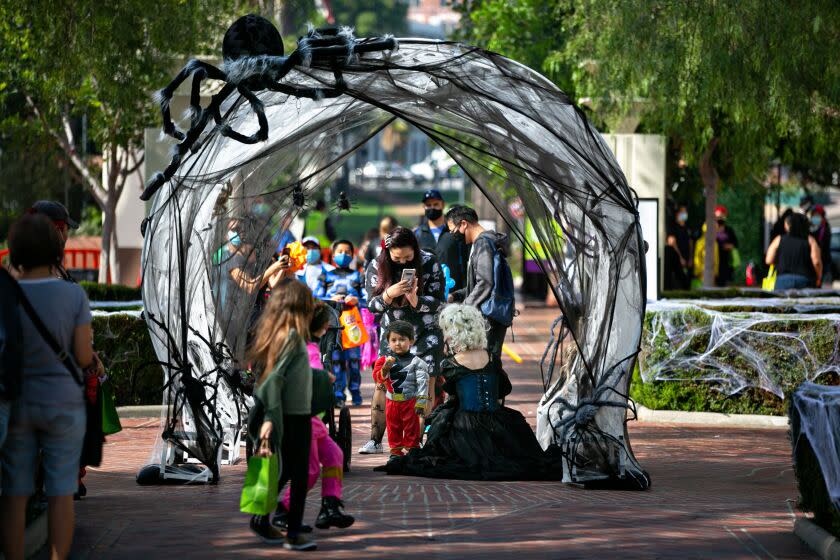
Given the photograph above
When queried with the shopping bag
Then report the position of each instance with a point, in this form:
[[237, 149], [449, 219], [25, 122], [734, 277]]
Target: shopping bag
[[354, 333], [769, 283], [370, 349], [259, 493], [110, 419], [736, 259]]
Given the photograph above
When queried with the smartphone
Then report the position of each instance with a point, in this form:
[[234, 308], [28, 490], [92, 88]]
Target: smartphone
[[408, 275], [286, 251]]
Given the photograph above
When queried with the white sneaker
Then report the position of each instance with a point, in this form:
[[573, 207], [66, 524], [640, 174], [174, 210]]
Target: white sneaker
[[371, 448]]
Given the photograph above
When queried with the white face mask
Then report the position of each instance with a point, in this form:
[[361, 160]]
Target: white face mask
[[682, 216]]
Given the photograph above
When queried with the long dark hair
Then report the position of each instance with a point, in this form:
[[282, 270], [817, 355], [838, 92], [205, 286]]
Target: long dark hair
[[386, 268], [799, 225]]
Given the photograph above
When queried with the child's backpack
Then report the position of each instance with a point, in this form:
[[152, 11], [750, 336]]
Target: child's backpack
[[11, 339], [500, 305]]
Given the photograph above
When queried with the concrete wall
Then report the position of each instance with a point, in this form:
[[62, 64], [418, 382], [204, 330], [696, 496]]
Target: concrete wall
[[642, 158]]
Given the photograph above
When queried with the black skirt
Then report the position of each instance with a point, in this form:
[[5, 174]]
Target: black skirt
[[497, 445]]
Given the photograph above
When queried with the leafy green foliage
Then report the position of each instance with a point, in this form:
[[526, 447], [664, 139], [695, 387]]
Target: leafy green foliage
[[371, 17], [533, 32], [110, 292], [125, 348]]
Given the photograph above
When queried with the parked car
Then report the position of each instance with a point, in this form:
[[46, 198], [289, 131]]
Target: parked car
[[438, 160], [388, 172]]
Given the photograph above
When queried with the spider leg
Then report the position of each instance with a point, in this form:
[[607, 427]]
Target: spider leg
[[260, 135], [164, 96], [192, 135]]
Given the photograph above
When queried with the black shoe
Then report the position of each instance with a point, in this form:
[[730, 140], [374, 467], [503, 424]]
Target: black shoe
[[331, 514], [281, 520], [263, 529], [299, 543]]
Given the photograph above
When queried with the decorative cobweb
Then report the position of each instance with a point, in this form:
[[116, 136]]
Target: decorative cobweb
[[513, 133]]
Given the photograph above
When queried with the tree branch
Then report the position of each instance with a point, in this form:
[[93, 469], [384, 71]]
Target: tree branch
[[66, 145]]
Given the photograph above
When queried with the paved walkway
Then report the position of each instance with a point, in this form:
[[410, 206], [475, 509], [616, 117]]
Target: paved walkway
[[717, 493]]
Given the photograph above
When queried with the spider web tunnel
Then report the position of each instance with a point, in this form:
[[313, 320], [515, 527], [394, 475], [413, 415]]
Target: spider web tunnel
[[513, 133]]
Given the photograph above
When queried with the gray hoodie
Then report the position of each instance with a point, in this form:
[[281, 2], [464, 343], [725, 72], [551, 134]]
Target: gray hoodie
[[480, 281]]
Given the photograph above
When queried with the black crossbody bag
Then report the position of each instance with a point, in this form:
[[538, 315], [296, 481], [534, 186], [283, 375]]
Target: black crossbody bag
[[94, 438]]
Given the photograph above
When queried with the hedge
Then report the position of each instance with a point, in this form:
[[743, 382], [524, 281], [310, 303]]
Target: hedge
[[705, 355], [125, 348], [736, 292], [110, 292], [813, 494]]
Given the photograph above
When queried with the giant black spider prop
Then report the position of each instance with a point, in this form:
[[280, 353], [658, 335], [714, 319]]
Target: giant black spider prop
[[254, 60]]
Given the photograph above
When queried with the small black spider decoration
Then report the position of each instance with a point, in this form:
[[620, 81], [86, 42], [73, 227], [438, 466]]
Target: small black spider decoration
[[343, 202], [254, 61], [298, 198]]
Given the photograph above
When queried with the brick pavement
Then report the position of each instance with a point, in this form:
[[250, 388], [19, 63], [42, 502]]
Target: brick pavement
[[717, 493]]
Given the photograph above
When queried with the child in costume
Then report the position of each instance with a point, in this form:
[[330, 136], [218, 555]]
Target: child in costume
[[344, 284], [406, 379], [325, 456]]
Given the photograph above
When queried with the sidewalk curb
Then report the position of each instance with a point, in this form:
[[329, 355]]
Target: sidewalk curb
[[649, 416], [144, 411], [820, 540]]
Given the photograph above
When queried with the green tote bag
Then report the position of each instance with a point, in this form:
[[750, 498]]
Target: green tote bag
[[110, 419], [259, 493]]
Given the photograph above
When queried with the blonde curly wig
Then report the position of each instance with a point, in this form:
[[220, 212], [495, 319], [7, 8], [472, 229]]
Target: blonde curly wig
[[463, 328]]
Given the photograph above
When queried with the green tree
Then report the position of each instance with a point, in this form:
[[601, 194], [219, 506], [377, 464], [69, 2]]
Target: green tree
[[64, 60], [734, 82], [371, 17], [532, 32]]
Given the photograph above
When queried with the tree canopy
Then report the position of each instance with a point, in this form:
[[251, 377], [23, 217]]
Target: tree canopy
[[734, 84], [97, 61]]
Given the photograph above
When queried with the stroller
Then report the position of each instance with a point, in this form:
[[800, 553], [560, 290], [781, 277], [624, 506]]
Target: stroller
[[341, 431]]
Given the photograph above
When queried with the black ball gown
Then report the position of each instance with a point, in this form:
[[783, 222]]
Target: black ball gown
[[472, 437]]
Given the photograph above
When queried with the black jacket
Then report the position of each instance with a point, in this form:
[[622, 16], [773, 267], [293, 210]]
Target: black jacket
[[454, 254], [479, 281]]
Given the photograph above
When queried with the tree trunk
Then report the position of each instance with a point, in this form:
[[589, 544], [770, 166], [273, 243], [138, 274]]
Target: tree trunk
[[709, 175]]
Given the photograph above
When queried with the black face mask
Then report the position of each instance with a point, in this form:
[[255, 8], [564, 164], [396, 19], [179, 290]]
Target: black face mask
[[433, 213], [458, 237]]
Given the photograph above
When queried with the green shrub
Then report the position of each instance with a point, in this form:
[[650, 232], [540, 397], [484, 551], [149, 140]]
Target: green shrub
[[736, 292], [731, 351], [705, 396], [110, 292], [125, 348], [813, 494]]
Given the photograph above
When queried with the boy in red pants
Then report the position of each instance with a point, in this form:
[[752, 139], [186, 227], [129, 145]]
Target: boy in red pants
[[406, 379]]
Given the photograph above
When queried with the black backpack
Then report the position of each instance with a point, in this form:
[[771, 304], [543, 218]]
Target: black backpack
[[11, 338], [500, 305]]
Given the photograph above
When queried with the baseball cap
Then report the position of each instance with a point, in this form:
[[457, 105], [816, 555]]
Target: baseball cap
[[310, 239], [432, 194], [55, 211]]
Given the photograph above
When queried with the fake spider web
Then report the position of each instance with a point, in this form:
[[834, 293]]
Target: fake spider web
[[513, 133], [732, 351]]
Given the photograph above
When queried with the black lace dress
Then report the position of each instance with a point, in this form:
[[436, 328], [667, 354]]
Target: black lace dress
[[473, 437]]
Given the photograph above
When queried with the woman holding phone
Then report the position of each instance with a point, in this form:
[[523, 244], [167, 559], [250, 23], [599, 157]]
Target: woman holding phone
[[407, 284]]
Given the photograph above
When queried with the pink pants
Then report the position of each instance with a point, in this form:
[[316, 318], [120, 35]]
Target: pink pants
[[325, 457]]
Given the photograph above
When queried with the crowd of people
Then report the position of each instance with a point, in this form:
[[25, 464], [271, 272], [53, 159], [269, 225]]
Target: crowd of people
[[409, 281], [799, 249], [435, 309]]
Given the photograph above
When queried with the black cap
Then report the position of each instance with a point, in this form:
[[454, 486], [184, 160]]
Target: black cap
[[432, 194], [56, 212]]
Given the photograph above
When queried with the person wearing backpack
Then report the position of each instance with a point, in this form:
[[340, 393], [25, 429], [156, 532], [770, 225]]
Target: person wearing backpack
[[489, 283], [49, 418]]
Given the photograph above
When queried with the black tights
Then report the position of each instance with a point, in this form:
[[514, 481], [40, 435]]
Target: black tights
[[297, 439]]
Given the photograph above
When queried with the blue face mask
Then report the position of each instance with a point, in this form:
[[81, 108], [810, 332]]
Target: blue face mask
[[234, 239], [816, 221], [313, 256], [343, 260]]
